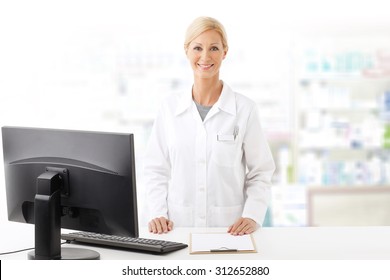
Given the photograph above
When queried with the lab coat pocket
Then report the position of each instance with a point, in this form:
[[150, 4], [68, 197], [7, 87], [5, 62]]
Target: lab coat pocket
[[180, 215], [226, 153], [225, 216]]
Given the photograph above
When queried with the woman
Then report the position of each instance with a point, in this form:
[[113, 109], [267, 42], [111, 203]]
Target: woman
[[208, 162]]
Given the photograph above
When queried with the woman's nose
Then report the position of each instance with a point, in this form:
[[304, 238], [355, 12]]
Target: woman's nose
[[205, 54]]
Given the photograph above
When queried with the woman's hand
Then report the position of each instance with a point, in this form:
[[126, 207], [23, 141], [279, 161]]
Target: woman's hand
[[160, 225], [242, 226]]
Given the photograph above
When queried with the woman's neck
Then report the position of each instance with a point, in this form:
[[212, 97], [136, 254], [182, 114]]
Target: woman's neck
[[206, 91]]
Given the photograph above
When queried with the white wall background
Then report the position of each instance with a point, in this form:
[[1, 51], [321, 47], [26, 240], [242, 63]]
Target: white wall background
[[104, 65]]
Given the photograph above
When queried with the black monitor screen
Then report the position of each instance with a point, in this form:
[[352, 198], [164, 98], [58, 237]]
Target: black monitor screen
[[95, 173]]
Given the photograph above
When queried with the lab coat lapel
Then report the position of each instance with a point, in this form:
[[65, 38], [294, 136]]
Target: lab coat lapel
[[185, 102], [226, 103]]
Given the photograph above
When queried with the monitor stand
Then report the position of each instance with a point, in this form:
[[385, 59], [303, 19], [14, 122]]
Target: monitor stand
[[69, 254], [47, 208]]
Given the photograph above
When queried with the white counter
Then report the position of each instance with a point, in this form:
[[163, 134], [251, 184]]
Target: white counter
[[289, 243]]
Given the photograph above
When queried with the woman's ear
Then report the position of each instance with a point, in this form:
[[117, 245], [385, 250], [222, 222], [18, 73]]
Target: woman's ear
[[186, 50], [225, 53]]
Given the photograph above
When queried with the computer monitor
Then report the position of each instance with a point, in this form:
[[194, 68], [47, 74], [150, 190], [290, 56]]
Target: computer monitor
[[70, 179]]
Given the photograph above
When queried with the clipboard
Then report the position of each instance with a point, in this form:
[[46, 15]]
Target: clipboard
[[221, 243]]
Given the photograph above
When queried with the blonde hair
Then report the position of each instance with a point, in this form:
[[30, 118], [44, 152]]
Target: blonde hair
[[203, 24]]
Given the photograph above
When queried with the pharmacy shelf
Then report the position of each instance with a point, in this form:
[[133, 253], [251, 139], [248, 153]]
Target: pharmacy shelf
[[339, 117]]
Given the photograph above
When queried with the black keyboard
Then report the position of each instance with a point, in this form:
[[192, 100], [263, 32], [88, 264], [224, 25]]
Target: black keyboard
[[120, 242]]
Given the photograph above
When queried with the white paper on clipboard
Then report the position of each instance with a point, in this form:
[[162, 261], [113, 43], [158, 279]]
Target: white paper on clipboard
[[221, 242]]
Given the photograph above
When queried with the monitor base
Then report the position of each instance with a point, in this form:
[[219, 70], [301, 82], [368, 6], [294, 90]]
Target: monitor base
[[72, 254]]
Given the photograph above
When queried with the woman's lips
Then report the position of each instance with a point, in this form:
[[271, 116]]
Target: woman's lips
[[205, 66]]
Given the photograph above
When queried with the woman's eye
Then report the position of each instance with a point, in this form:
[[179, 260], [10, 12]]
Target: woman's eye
[[214, 49], [197, 48]]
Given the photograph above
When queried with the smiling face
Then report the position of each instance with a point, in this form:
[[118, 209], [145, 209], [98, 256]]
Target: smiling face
[[205, 54]]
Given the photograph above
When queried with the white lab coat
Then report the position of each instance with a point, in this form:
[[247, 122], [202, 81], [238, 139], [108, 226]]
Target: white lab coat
[[211, 172]]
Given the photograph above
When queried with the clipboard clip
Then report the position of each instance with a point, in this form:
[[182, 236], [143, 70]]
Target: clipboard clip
[[223, 249]]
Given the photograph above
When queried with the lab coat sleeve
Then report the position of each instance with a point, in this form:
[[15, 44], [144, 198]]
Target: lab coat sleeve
[[260, 166], [157, 169]]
